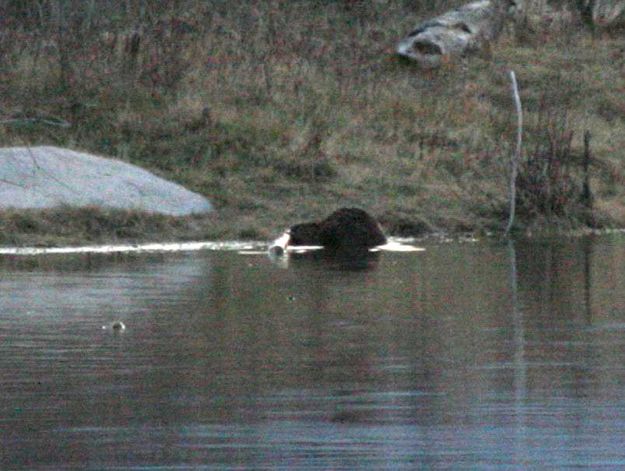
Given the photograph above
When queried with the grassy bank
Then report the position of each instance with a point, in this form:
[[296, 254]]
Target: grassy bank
[[282, 111], [79, 226]]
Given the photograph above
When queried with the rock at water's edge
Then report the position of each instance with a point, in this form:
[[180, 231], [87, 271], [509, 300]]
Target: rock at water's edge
[[46, 177]]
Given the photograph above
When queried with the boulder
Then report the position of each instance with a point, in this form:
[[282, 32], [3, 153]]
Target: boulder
[[457, 32], [46, 177]]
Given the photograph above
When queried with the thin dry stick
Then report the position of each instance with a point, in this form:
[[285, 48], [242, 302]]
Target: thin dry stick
[[514, 165], [56, 122], [586, 193]]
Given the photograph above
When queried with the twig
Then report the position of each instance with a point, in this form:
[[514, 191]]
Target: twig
[[514, 164], [586, 193], [57, 122]]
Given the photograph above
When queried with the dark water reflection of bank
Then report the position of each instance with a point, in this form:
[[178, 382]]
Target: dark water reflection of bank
[[466, 355]]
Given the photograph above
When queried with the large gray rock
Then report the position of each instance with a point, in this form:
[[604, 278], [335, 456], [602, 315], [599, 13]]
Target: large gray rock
[[45, 177], [458, 32]]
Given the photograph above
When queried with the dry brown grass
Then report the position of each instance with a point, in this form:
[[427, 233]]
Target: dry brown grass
[[282, 111]]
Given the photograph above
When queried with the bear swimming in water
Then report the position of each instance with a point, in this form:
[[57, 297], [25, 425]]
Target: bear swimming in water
[[345, 230]]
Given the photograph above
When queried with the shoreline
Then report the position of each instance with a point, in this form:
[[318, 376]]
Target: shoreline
[[90, 227], [133, 248], [256, 246]]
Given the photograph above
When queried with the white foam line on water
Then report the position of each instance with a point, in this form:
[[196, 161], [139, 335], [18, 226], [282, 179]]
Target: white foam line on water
[[245, 248], [394, 246], [303, 248], [138, 248]]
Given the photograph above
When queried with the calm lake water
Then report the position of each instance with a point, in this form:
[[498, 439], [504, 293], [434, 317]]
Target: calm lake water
[[468, 355]]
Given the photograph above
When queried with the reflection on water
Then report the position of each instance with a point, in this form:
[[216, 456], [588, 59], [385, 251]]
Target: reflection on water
[[463, 356]]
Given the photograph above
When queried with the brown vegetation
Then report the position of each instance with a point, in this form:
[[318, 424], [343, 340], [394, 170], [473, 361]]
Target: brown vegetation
[[281, 111]]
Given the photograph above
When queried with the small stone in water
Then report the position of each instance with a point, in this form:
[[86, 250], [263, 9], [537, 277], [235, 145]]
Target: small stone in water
[[117, 326]]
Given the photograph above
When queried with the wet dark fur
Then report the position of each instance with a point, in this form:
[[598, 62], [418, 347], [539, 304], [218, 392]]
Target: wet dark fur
[[344, 229]]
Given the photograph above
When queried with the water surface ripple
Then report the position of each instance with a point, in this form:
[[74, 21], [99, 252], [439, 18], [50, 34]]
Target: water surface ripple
[[465, 356]]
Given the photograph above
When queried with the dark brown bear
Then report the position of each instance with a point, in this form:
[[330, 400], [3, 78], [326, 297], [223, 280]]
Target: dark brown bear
[[345, 229]]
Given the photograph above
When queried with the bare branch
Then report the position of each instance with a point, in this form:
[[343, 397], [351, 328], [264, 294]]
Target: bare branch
[[514, 164]]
